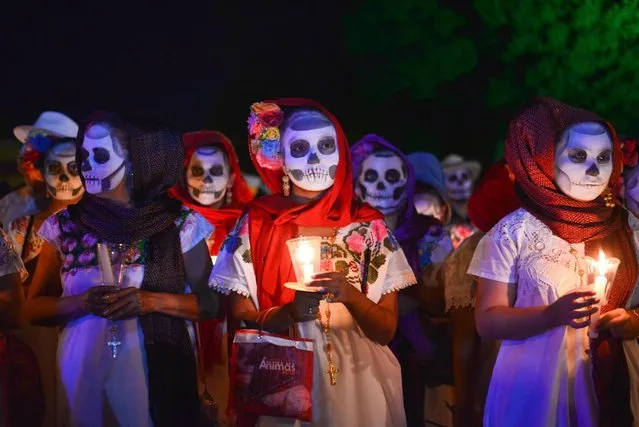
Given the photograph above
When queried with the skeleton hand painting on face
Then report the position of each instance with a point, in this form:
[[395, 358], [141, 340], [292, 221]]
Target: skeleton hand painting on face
[[61, 172], [583, 161], [310, 149], [208, 175], [103, 158]]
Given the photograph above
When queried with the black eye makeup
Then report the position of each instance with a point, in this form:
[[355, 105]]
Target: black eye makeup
[[197, 170], [605, 156], [299, 148], [577, 155], [327, 145]]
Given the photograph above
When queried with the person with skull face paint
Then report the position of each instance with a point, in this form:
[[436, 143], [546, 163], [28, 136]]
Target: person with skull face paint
[[473, 357], [213, 186], [531, 267], [47, 161], [128, 166], [460, 176], [314, 164], [384, 178]]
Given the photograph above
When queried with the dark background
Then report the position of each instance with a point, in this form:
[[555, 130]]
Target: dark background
[[200, 64]]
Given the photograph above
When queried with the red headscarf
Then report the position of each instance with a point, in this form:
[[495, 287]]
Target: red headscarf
[[494, 197], [530, 152], [274, 219], [222, 219]]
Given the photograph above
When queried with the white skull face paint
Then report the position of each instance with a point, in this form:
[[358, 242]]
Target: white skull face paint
[[429, 204], [631, 186], [61, 172], [583, 161], [459, 183], [208, 175], [103, 166], [382, 182], [311, 157]]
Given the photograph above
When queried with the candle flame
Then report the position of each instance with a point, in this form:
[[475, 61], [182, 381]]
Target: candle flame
[[305, 253], [603, 264]]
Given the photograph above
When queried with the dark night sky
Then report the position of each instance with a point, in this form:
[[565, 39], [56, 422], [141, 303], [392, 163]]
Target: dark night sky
[[194, 64], [197, 65]]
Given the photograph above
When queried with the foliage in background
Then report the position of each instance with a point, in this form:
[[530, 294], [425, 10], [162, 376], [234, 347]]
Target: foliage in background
[[585, 52], [407, 46]]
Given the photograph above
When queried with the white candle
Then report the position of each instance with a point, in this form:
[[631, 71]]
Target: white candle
[[104, 262], [308, 272], [213, 259], [599, 287], [304, 256]]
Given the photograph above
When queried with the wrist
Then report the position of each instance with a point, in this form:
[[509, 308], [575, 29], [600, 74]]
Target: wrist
[[549, 320], [152, 301]]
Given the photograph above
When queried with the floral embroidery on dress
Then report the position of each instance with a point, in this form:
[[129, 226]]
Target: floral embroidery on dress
[[10, 262], [365, 243], [233, 240], [17, 231], [79, 248]]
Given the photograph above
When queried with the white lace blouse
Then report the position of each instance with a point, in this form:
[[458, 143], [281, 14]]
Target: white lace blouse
[[545, 379]]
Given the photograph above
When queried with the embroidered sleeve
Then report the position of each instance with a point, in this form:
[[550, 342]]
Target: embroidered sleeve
[[388, 269], [10, 262], [459, 286], [497, 252], [50, 229], [193, 229], [233, 270]]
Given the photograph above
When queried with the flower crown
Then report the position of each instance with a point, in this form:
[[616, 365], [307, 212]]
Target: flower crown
[[264, 134], [32, 152]]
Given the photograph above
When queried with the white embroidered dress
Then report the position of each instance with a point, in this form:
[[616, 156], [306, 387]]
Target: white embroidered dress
[[544, 380], [97, 389], [369, 388]]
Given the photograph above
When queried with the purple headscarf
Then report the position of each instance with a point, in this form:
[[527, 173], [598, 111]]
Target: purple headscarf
[[411, 226]]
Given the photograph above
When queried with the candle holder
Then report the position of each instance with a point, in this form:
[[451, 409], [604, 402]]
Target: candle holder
[[305, 255], [601, 275]]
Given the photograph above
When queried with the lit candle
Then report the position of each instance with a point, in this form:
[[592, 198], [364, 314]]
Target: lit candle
[[104, 262], [305, 255], [213, 259], [601, 281]]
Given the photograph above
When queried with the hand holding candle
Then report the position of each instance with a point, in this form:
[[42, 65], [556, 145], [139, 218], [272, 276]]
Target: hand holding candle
[[604, 270]]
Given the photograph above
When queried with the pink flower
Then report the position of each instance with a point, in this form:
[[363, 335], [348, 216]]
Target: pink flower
[[379, 230], [68, 261], [69, 244], [69, 227], [356, 242], [89, 240], [86, 257]]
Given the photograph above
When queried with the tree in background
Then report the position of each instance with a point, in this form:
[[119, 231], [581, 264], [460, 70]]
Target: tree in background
[[585, 53], [408, 46], [417, 64]]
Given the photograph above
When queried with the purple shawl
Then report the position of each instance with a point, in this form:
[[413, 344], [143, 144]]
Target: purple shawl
[[411, 226]]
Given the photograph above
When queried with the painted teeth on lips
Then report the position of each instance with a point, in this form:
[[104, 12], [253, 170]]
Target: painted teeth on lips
[[588, 184]]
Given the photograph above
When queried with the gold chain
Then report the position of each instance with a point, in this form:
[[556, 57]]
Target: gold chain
[[580, 271], [326, 328]]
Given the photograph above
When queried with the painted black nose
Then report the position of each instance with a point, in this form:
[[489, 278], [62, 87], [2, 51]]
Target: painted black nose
[[86, 166], [208, 179], [381, 186], [593, 170], [313, 159], [64, 178]]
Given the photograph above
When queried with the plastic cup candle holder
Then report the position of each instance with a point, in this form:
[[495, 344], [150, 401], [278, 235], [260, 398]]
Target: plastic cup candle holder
[[601, 274], [305, 255]]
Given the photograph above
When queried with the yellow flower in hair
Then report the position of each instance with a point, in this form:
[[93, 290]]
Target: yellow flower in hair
[[271, 133]]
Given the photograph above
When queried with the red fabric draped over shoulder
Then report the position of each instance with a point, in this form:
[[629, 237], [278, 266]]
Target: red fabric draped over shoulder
[[274, 219], [222, 219], [530, 153]]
